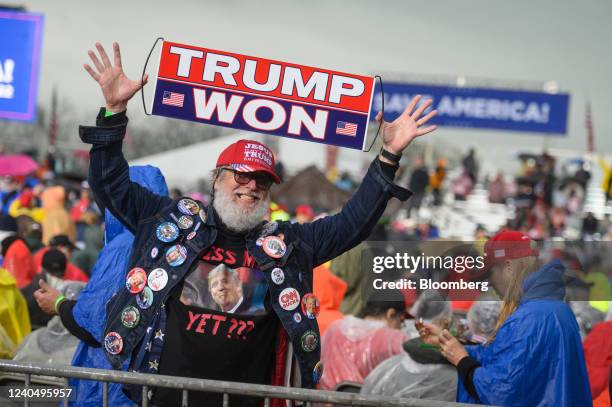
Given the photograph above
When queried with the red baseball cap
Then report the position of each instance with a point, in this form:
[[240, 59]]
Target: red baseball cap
[[305, 210], [506, 245], [248, 156]]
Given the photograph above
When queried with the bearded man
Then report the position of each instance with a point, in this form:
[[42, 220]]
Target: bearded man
[[279, 345]]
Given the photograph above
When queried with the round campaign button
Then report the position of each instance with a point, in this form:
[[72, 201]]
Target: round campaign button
[[167, 232], [185, 222], [202, 214], [309, 341], [136, 280], [113, 343], [145, 298], [317, 372], [176, 255], [297, 317], [310, 306], [289, 299], [274, 247], [130, 317], [188, 206], [154, 252], [259, 241], [278, 276], [157, 279]]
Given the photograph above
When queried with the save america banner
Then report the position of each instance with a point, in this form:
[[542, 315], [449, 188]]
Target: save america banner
[[262, 95], [484, 108]]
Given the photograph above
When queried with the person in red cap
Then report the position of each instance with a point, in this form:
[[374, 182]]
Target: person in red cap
[[62, 243], [178, 242], [535, 356], [304, 213], [243, 176]]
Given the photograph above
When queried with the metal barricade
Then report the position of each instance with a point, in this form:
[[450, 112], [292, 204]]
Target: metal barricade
[[212, 386]]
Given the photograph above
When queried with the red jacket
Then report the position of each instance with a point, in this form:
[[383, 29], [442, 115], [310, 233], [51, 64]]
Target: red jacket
[[19, 262], [352, 347], [73, 273], [598, 357]]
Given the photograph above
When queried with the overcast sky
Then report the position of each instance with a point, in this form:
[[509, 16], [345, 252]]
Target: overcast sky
[[523, 40]]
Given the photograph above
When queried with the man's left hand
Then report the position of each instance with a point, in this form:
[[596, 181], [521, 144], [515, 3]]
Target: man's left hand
[[451, 348], [409, 125]]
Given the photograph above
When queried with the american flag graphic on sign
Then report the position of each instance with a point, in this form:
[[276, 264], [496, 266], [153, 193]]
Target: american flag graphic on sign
[[173, 99], [347, 129]]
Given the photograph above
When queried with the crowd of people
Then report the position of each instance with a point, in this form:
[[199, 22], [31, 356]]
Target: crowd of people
[[134, 275], [368, 345], [47, 238], [547, 197]]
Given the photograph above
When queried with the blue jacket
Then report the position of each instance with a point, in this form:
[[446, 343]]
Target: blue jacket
[[536, 358], [106, 279], [142, 212]]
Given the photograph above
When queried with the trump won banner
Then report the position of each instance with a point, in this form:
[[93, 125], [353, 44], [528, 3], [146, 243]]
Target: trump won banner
[[511, 110], [21, 35], [262, 95]]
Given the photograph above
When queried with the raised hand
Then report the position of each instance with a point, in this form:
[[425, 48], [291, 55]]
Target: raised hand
[[400, 132], [117, 88]]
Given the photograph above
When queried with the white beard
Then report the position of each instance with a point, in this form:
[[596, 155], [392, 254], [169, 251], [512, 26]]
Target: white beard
[[235, 218]]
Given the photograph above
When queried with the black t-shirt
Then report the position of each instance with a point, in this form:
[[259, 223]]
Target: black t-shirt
[[220, 325]]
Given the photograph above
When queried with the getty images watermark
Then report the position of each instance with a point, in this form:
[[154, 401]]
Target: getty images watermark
[[407, 263], [459, 270]]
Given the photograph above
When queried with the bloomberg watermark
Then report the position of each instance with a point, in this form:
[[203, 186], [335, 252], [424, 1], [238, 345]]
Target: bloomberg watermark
[[461, 271]]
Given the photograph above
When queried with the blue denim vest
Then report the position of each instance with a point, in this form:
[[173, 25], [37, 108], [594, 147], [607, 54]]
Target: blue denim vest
[[297, 271]]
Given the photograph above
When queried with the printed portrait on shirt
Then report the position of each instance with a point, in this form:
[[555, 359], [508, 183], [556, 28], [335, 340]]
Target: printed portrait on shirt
[[225, 288], [222, 288]]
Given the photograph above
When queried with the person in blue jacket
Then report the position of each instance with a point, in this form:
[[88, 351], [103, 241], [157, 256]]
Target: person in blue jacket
[[535, 357], [85, 318]]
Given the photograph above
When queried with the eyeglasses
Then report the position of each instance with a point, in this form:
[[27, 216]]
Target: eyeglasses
[[262, 180]]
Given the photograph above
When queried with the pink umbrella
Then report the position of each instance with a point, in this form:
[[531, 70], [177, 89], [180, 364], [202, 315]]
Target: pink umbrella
[[16, 164]]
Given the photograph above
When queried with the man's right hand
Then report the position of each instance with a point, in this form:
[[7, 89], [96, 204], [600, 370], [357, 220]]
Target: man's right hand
[[117, 88]]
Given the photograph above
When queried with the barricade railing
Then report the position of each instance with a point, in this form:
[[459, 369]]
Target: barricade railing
[[187, 385]]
